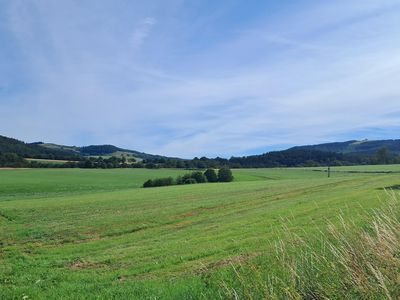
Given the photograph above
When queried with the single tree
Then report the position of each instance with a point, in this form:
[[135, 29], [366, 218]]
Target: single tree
[[184, 178], [225, 175], [199, 177], [211, 175], [179, 180], [383, 155]]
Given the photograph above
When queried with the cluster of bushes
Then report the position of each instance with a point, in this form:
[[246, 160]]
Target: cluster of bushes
[[159, 182], [224, 175]]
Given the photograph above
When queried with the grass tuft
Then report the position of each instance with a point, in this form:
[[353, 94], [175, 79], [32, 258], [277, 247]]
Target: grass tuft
[[349, 262]]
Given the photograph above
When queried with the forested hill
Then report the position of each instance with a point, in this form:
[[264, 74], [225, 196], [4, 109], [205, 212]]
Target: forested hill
[[105, 150], [34, 150], [357, 147], [54, 151]]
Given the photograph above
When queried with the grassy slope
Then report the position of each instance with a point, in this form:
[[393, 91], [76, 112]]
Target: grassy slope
[[129, 154], [119, 154], [75, 232], [367, 168], [47, 161]]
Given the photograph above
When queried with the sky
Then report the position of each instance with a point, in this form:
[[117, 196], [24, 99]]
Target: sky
[[199, 77]]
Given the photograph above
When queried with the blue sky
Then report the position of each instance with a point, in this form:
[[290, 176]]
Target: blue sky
[[193, 78]]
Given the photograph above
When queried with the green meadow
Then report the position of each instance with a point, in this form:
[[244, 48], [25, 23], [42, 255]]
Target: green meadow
[[96, 234]]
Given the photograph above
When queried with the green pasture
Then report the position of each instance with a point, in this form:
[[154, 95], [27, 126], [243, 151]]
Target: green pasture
[[82, 234], [47, 161], [365, 168], [43, 183]]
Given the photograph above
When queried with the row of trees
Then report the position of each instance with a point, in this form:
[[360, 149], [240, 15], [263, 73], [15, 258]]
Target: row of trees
[[224, 175], [12, 160], [287, 158], [17, 161]]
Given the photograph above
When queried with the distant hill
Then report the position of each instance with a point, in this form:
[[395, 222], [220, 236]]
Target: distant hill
[[103, 150], [62, 152], [292, 158], [366, 147], [34, 150]]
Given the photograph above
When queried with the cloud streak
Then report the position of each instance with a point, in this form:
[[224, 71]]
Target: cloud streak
[[141, 33]]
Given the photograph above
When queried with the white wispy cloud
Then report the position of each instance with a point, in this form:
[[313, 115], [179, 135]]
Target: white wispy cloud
[[178, 80], [142, 32]]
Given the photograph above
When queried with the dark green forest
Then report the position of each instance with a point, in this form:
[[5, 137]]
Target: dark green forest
[[360, 147], [34, 150]]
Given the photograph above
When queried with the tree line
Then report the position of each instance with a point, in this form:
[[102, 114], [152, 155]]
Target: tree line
[[12, 153], [223, 175]]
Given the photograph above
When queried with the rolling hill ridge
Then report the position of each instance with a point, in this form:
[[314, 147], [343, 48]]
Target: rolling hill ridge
[[62, 152], [368, 147]]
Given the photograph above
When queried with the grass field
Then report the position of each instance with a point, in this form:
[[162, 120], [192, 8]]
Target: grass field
[[72, 233], [47, 161]]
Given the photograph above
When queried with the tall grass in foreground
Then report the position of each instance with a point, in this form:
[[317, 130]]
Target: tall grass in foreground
[[349, 262]]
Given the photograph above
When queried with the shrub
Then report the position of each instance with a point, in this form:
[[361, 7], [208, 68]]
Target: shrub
[[225, 175], [158, 182], [179, 180], [199, 177], [151, 166], [190, 181], [191, 178], [148, 183], [163, 181], [211, 175], [185, 177]]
